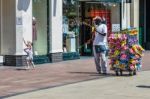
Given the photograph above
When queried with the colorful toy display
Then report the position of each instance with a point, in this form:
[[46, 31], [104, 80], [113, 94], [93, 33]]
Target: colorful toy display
[[125, 53]]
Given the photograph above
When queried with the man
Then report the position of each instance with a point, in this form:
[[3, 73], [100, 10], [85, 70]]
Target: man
[[65, 31], [99, 45]]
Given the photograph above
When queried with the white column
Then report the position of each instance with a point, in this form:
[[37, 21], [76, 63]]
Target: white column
[[56, 26], [23, 24], [135, 13], [128, 15], [124, 14]]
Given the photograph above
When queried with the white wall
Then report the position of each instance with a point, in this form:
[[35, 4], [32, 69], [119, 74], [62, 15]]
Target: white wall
[[115, 14], [8, 29], [56, 26]]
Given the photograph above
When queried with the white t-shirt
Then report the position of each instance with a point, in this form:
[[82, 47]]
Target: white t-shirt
[[100, 39]]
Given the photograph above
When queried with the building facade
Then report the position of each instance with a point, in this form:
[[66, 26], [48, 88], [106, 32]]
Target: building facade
[[16, 18], [56, 27], [144, 24]]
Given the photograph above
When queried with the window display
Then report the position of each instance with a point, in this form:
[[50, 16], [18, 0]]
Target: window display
[[70, 26], [40, 27], [108, 11]]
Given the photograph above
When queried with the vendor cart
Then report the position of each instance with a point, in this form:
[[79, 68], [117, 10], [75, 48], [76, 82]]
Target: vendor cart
[[125, 53]]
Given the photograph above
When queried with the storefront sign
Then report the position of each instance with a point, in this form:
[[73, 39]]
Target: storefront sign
[[19, 21], [115, 27]]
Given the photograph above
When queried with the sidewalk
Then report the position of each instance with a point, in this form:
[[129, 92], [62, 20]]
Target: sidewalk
[[17, 81], [136, 87]]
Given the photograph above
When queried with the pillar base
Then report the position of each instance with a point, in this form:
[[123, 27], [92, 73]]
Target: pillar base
[[147, 46], [71, 56], [15, 60], [55, 57]]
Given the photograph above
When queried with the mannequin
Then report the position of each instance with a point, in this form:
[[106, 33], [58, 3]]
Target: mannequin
[[34, 34], [34, 30]]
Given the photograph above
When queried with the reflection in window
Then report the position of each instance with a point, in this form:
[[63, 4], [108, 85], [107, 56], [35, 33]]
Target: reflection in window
[[70, 26]]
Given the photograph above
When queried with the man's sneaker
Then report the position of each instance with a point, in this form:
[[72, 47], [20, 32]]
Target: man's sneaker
[[104, 73], [99, 72]]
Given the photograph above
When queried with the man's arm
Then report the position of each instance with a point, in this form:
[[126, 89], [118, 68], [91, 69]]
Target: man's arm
[[103, 34]]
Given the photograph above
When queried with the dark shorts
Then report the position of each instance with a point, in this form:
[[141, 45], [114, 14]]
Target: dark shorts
[[100, 48]]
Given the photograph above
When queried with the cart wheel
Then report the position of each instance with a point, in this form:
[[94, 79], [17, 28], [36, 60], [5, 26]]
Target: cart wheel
[[117, 74], [120, 72], [130, 73], [134, 72]]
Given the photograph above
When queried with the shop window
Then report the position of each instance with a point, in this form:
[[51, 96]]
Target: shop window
[[110, 11], [40, 26], [70, 25]]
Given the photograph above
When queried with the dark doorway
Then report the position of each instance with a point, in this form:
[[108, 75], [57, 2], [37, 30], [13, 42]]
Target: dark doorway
[[147, 25], [88, 10], [142, 23], [85, 32], [144, 35]]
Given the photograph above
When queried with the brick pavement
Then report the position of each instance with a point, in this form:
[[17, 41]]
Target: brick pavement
[[15, 80], [146, 61]]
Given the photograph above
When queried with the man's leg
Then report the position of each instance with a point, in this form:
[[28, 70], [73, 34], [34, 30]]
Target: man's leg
[[104, 62], [97, 60]]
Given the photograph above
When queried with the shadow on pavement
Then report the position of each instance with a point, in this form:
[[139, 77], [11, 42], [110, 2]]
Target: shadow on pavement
[[92, 73], [83, 72], [97, 74], [143, 86], [21, 69]]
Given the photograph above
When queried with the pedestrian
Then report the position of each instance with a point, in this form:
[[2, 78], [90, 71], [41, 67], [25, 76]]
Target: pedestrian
[[99, 45], [29, 58]]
